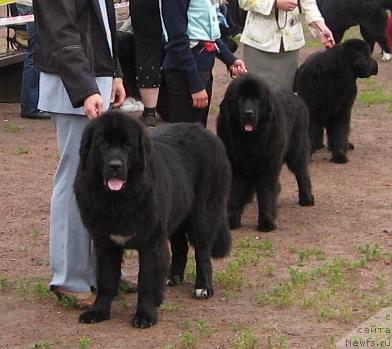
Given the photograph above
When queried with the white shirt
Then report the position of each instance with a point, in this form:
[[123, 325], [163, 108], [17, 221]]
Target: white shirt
[[262, 32]]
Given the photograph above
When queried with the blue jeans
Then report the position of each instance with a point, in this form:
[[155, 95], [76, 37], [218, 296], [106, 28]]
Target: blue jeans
[[30, 79]]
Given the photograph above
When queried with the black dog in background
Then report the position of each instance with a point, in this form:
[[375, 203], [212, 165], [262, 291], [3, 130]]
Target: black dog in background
[[327, 83], [370, 15], [137, 190], [261, 130]]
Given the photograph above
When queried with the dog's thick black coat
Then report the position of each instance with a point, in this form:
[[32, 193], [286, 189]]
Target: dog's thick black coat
[[261, 130], [370, 15], [327, 83], [137, 190]]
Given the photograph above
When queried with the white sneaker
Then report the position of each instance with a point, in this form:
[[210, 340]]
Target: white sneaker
[[132, 105]]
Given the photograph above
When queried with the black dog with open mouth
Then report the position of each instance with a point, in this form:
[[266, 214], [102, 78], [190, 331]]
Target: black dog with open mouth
[[138, 190], [261, 130]]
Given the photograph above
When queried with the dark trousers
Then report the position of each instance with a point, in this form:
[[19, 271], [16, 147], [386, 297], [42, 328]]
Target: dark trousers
[[180, 99], [30, 83]]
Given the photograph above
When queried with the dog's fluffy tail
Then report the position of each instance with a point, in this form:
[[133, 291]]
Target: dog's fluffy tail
[[222, 243], [387, 4]]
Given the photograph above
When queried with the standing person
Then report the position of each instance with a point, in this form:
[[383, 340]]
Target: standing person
[[147, 28], [191, 31], [30, 77], [80, 76], [273, 35]]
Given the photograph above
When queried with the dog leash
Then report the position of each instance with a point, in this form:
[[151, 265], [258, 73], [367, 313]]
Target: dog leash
[[285, 20]]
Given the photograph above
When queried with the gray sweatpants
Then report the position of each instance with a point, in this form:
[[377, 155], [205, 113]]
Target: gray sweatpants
[[72, 257]]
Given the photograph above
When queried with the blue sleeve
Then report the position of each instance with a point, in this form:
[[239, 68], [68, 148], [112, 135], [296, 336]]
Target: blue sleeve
[[178, 54]]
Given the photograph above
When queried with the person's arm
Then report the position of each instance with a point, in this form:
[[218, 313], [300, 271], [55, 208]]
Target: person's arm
[[313, 17], [175, 19], [234, 65], [260, 6], [57, 19]]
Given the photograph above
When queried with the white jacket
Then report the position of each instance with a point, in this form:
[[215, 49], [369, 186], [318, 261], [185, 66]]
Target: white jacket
[[262, 32]]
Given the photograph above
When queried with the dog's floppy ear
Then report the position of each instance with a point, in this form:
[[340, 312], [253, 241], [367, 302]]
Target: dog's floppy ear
[[85, 145], [144, 148]]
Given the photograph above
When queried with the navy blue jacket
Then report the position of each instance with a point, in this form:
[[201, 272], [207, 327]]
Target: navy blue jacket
[[179, 56]]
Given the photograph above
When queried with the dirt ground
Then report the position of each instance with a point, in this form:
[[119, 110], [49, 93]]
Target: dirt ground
[[353, 208]]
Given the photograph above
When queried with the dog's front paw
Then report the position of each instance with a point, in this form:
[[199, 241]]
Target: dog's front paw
[[350, 146], [144, 320], [203, 293], [266, 227], [306, 200], [339, 158], [93, 316]]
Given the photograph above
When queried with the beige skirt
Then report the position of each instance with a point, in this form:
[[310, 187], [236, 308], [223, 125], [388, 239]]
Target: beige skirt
[[278, 69]]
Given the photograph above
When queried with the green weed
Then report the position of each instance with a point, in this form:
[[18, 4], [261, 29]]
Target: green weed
[[84, 343], [246, 340], [12, 127], [22, 149], [187, 340], [35, 233]]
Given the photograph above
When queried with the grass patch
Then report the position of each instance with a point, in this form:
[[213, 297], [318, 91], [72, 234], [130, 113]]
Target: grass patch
[[22, 149], [12, 127], [248, 251], [169, 306], [5, 284], [374, 96], [187, 340], [43, 345], [332, 290], [246, 340], [271, 343], [35, 233], [84, 343]]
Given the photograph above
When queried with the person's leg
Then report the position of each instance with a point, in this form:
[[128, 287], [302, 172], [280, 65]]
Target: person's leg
[[180, 100], [30, 81], [71, 251]]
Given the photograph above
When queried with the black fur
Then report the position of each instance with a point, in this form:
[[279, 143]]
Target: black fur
[[277, 132], [370, 15], [327, 83], [175, 183]]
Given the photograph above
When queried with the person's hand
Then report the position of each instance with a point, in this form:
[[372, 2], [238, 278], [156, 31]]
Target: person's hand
[[237, 68], [93, 106], [327, 38], [118, 93], [200, 99], [286, 5]]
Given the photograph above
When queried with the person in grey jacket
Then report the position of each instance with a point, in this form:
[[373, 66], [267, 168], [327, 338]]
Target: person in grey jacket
[[80, 79], [273, 35]]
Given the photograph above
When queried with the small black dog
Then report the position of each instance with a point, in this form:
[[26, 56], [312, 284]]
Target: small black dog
[[137, 190], [327, 83], [261, 130]]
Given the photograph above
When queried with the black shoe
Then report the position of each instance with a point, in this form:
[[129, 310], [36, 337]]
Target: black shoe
[[149, 120], [38, 115]]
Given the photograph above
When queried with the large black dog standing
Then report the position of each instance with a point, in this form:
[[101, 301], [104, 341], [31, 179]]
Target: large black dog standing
[[370, 15], [327, 83], [261, 130], [137, 191]]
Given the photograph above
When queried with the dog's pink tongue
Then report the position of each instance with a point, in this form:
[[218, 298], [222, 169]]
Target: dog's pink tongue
[[115, 184], [249, 128]]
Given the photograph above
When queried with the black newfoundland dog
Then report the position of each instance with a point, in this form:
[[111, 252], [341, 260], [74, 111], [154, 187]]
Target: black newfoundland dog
[[327, 83], [137, 190], [261, 130], [370, 15]]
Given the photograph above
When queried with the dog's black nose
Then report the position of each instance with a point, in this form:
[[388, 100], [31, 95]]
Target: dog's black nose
[[249, 113], [115, 164]]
